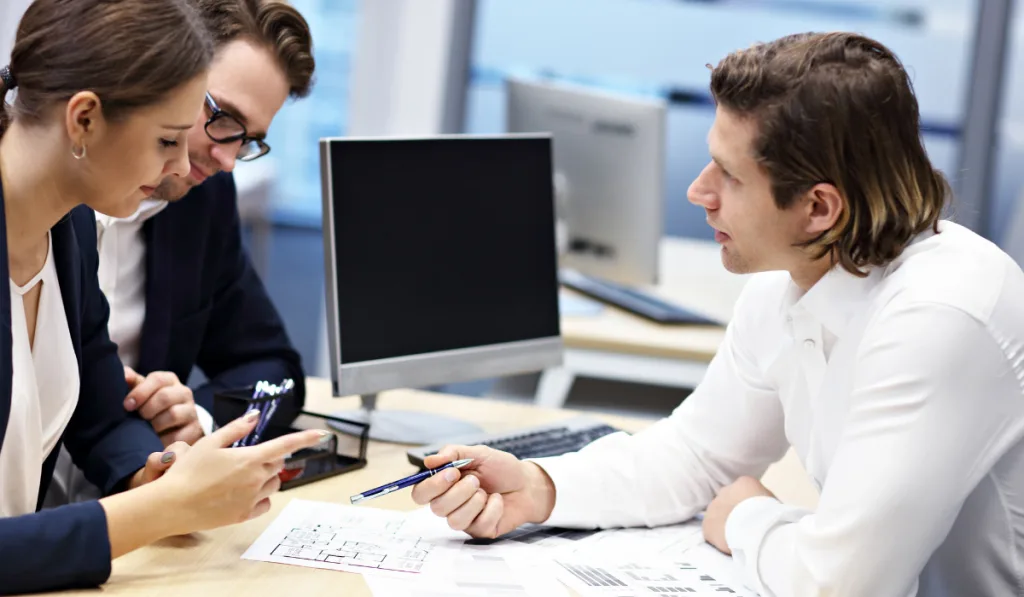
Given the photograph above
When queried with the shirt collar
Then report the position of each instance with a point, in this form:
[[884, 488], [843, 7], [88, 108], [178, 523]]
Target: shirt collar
[[836, 298], [147, 209], [839, 295]]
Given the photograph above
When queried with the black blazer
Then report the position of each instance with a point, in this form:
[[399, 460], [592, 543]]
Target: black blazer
[[68, 547], [205, 304]]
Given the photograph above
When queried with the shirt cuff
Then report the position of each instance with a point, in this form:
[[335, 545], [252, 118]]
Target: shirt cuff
[[747, 527], [205, 420], [574, 499]]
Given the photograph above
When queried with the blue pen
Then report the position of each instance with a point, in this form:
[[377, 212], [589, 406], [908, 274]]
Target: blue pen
[[265, 417], [406, 482], [257, 393], [268, 411]]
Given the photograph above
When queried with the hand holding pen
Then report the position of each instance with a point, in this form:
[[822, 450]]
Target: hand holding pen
[[496, 493], [409, 481]]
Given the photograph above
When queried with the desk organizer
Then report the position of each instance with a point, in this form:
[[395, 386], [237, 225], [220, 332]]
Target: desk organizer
[[307, 465]]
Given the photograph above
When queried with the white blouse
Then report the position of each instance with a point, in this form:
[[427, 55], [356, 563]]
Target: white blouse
[[44, 391]]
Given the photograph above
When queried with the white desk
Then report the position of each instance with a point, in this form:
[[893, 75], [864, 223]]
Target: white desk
[[620, 346]]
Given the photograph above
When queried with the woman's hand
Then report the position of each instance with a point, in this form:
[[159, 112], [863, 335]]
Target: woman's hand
[[209, 485], [157, 464], [214, 485]]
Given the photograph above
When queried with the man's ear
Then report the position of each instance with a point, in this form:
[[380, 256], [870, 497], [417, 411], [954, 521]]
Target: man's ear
[[83, 119], [823, 206]]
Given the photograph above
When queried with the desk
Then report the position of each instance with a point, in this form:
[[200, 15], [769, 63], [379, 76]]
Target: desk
[[621, 346], [210, 563]]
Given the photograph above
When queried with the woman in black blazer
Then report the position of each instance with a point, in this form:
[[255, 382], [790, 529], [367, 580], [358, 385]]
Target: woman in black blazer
[[105, 92]]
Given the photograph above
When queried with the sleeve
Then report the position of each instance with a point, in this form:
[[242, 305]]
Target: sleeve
[[63, 548], [205, 420], [730, 426], [106, 442], [935, 404], [245, 340]]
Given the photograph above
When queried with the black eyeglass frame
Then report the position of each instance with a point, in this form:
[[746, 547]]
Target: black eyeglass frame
[[216, 113]]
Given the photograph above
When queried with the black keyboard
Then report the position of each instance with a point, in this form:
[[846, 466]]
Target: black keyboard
[[632, 300], [534, 442]]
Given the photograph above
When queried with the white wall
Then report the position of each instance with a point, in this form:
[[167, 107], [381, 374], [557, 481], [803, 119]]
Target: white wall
[[10, 15], [409, 67]]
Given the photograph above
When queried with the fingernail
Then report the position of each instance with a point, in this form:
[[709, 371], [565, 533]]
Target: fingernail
[[474, 481], [130, 404], [251, 416], [451, 475], [167, 457], [325, 436]]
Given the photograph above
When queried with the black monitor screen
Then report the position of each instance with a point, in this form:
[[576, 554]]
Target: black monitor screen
[[442, 244]]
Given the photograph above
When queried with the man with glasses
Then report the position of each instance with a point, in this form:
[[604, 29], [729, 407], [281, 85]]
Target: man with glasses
[[182, 290]]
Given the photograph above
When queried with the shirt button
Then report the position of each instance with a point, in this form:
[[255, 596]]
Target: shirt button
[[809, 343]]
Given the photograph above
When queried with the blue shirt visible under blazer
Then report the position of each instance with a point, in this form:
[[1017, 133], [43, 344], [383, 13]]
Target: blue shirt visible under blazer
[[68, 547]]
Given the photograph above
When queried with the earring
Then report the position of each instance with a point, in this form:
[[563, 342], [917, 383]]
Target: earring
[[75, 153]]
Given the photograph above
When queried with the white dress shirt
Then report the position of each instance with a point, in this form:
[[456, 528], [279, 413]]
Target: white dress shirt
[[122, 273], [44, 391], [902, 394]]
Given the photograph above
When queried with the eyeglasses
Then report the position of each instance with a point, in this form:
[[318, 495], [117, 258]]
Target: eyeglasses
[[224, 128]]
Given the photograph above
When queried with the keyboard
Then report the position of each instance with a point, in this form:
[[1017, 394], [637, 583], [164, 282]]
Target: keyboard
[[632, 300], [553, 439]]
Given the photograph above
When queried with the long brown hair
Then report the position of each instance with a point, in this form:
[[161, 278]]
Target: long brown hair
[[130, 53], [839, 108], [273, 24]]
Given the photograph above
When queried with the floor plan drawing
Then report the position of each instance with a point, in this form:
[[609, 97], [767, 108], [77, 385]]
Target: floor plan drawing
[[346, 538]]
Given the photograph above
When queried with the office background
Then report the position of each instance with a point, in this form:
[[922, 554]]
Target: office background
[[430, 66]]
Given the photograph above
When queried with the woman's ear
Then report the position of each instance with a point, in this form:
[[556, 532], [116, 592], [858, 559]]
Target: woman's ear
[[83, 118]]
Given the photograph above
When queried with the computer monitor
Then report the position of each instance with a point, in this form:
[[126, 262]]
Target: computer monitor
[[609, 151], [440, 267]]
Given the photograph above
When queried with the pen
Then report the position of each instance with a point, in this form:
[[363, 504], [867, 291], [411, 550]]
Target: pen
[[264, 389], [268, 413], [257, 393], [264, 421], [406, 482]]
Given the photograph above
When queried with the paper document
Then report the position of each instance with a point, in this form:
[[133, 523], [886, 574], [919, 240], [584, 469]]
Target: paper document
[[475, 574], [639, 579], [666, 543], [676, 550], [345, 538], [417, 555]]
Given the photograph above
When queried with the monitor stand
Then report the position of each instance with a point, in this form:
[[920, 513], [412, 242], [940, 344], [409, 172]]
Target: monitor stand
[[402, 426]]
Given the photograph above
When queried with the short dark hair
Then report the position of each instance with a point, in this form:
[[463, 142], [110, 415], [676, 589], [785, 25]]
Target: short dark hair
[[130, 54], [839, 108], [271, 23]]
